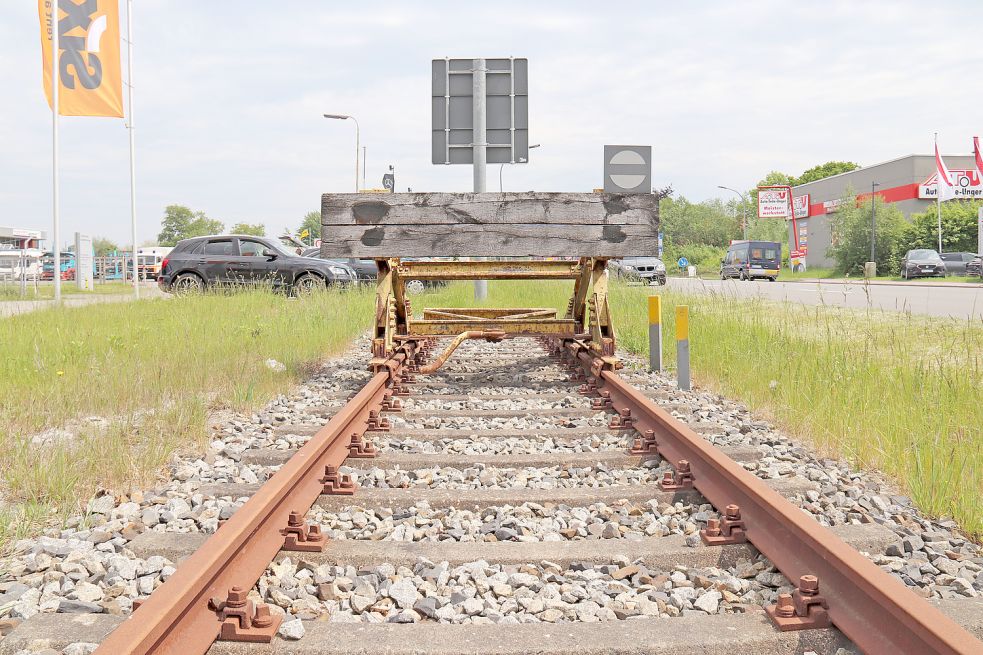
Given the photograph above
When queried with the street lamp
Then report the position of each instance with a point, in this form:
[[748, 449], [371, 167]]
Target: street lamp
[[342, 117], [873, 185], [743, 206], [522, 160]]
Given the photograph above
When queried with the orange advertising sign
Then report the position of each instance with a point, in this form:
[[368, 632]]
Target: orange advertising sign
[[90, 77]]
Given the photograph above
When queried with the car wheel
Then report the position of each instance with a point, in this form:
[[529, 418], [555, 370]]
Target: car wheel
[[771, 279], [415, 287], [306, 284], [741, 276], [662, 281], [187, 283]]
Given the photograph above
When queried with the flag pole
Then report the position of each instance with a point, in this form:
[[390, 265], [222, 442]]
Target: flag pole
[[55, 83], [938, 195], [130, 125]]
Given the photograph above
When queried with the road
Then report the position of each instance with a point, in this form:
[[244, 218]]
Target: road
[[931, 299], [13, 307]]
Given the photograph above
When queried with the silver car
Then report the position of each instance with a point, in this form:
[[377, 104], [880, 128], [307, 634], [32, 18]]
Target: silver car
[[640, 269]]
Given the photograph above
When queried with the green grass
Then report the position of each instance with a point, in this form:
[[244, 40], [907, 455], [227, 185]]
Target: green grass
[[46, 290], [898, 393], [151, 370]]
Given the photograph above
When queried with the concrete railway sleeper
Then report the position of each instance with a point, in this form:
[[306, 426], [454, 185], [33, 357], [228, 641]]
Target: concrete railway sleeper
[[532, 502]]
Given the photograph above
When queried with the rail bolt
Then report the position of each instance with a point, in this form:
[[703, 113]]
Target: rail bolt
[[681, 479], [361, 449], [336, 483], [645, 444], [803, 609], [243, 620], [302, 536], [785, 608], [808, 585]]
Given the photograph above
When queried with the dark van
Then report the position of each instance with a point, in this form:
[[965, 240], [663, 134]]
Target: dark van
[[747, 260]]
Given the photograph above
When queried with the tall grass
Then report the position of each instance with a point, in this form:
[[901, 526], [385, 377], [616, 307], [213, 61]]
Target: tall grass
[[899, 393], [134, 383]]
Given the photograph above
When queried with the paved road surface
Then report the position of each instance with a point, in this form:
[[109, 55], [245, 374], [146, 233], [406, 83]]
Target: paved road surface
[[938, 299], [11, 307]]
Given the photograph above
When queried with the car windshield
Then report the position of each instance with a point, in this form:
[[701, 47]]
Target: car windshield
[[923, 254]]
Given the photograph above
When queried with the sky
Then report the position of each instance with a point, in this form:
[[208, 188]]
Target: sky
[[229, 97]]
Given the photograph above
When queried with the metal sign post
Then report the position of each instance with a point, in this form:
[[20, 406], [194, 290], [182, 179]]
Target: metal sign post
[[481, 120], [478, 143], [979, 232]]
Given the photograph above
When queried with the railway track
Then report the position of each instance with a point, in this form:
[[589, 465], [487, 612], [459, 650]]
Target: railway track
[[518, 500]]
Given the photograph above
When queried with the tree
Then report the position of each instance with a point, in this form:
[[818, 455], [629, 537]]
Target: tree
[[705, 223], [823, 171], [312, 223], [958, 228], [257, 230], [180, 222], [850, 225], [103, 246]]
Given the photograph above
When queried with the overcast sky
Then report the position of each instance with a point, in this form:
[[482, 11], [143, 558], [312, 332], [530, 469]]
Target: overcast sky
[[229, 98]]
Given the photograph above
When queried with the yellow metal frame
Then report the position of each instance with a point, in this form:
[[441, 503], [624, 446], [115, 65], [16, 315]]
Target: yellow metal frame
[[587, 319]]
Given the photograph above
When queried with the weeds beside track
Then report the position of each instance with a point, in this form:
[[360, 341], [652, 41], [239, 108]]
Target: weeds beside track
[[101, 396]]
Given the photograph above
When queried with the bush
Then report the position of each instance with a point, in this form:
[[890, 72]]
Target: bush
[[958, 228], [851, 235]]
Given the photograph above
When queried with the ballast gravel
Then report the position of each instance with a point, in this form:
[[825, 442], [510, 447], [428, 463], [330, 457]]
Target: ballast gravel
[[545, 592], [85, 565], [526, 522]]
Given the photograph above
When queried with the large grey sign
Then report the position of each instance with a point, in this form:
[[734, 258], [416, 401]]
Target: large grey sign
[[507, 97], [628, 169]]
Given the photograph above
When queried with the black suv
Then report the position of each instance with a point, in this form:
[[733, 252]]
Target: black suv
[[245, 260]]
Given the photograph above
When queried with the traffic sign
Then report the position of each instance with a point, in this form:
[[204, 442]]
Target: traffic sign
[[683, 262], [389, 181], [506, 110], [628, 169]]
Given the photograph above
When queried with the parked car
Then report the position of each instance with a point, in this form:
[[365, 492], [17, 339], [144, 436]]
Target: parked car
[[747, 260], [922, 263], [66, 269], [365, 269], [644, 269], [219, 260], [975, 267], [956, 262], [368, 271]]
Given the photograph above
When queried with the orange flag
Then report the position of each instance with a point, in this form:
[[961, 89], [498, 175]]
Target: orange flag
[[89, 66]]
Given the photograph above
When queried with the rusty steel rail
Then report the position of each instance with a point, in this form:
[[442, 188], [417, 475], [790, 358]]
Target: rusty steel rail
[[180, 617], [876, 611]]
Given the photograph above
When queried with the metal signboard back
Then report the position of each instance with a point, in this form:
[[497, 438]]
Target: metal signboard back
[[452, 112]]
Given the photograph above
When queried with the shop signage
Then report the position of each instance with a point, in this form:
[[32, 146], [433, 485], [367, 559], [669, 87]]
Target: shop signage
[[967, 183]]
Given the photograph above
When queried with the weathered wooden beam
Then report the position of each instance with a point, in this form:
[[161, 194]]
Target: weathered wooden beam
[[489, 241], [533, 208]]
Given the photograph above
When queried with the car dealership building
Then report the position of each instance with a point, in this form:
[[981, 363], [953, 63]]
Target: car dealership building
[[908, 183]]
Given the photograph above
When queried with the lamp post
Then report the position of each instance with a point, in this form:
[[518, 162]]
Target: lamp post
[[342, 117], [873, 223], [743, 207], [502, 167]]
